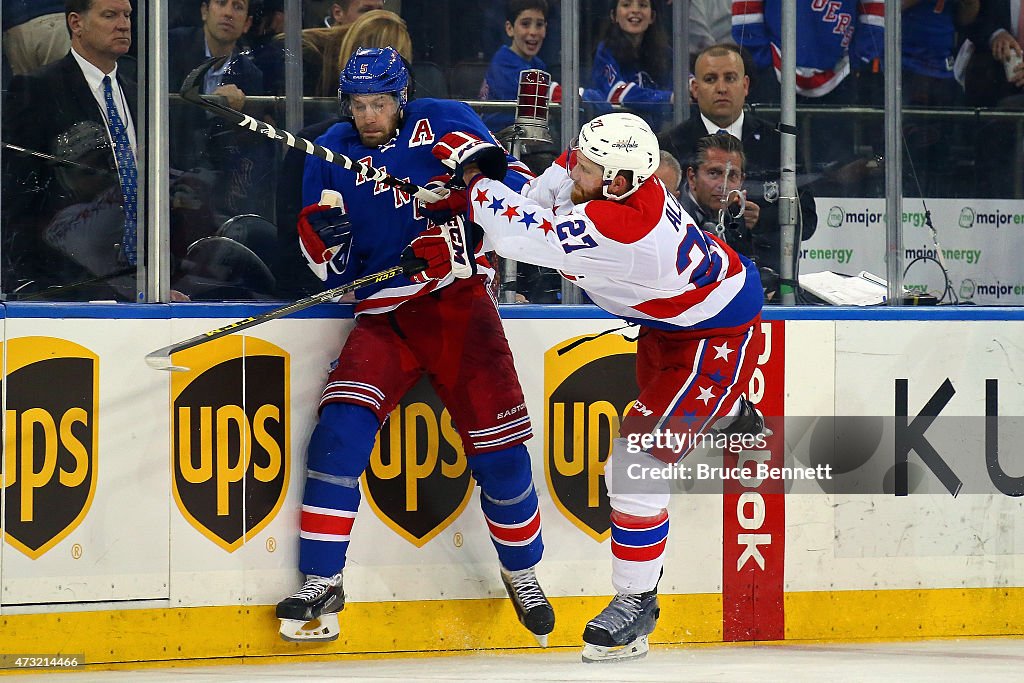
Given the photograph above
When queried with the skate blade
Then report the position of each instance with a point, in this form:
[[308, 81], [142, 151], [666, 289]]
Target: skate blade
[[542, 640], [594, 654], [323, 629]]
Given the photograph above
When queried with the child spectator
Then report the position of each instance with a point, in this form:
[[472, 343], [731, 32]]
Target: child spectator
[[633, 61], [526, 25]]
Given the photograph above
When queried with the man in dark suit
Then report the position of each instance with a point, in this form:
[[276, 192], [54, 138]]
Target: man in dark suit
[[224, 22], [65, 195], [225, 171], [720, 86], [998, 36]]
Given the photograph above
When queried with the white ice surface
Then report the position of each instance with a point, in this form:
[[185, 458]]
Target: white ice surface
[[988, 660]]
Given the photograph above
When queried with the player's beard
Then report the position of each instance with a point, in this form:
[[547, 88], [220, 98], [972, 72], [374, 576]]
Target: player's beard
[[376, 139], [579, 195]]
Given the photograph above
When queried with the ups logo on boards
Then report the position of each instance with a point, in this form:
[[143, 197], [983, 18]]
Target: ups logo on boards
[[50, 438], [586, 392], [230, 434], [418, 481]]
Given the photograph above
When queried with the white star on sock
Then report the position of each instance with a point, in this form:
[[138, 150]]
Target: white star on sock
[[706, 394], [722, 351]]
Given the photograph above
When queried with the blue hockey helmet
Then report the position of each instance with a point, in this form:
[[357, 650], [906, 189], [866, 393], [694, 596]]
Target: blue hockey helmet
[[374, 70]]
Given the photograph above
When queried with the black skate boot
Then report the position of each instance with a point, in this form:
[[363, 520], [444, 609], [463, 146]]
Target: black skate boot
[[532, 606], [749, 421], [620, 631], [312, 612]]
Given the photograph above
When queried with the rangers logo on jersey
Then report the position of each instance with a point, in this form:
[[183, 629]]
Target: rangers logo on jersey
[[587, 390]]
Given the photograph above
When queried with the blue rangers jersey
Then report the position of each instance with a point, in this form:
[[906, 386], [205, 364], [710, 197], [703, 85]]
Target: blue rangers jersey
[[613, 83], [929, 38], [830, 34], [502, 83], [385, 219], [641, 259]]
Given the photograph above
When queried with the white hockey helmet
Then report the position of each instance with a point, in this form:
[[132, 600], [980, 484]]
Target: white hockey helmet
[[620, 142]]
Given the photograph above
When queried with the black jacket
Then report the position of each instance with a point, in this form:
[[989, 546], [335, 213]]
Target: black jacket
[[761, 147], [52, 110]]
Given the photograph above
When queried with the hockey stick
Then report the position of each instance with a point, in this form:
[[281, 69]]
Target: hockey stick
[[161, 358], [190, 93]]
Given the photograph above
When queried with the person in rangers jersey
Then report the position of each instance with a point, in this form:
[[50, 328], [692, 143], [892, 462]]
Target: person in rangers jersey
[[443, 324], [601, 215], [632, 63], [836, 39]]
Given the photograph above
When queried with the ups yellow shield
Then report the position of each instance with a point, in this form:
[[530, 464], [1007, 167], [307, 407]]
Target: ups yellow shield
[[587, 390], [418, 481], [230, 434], [50, 440]]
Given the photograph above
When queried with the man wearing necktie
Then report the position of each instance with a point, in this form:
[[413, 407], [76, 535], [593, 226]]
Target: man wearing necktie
[[69, 223], [720, 87]]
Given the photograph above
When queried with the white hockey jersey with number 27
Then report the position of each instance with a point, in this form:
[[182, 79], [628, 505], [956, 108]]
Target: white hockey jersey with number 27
[[641, 259]]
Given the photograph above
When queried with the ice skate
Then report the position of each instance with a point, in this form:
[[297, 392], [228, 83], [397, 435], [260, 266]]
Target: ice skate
[[619, 632], [749, 421], [532, 606], [312, 612]]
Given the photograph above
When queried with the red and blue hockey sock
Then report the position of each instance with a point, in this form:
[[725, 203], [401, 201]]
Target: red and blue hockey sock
[[509, 503], [638, 549], [338, 453]]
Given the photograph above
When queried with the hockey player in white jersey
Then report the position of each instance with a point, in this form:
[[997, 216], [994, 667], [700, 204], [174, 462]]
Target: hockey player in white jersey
[[601, 217]]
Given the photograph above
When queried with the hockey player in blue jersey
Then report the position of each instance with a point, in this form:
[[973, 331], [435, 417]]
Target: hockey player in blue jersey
[[442, 323]]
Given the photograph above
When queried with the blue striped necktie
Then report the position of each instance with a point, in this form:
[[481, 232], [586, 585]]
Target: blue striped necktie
[[126, 172]]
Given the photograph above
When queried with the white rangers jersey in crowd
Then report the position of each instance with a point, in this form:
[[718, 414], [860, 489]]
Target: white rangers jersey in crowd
[[641, 259]]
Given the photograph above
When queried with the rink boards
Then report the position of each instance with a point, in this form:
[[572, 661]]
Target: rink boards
[[153, 516]]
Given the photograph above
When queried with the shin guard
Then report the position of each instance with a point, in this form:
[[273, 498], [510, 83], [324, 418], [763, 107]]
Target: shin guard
[[509, 503], [338, 453]]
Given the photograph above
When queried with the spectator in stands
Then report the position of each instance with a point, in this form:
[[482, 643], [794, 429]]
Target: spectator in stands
[[997, 37], [632, 63], [261, 47], [670, 173], [835, 39], [35, 33], [714, 199], [710, 24], [928, 56], [526, 25], [346, 12], [929, 50], [378, 28], [224, 23], [223, 170], [320, 46], [79, 112], [720, 87]]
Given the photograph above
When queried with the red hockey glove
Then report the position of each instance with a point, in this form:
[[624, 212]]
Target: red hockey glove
[[457, 149], [325, 235], [432, 248], [440, 250], [455, 202]]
